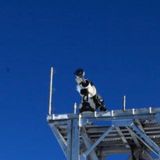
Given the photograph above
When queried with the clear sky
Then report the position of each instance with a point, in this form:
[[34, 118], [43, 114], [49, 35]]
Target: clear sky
[[116, 42]]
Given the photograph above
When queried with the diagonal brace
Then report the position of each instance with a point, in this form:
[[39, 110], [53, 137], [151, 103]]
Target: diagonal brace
[[88, 144], [145, 139], [98, 141], [122, 136], [59, 138], [146, 155], [134, 137]]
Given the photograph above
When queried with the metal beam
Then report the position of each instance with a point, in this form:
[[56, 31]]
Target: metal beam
[[139, 125], [122, 137], [134, 137], [50, 92], [140, 153], [88, 143], [69, 140], [59, 138], [98, 141], [146, 155], [126, 123], [145, 139], [73, 140], [142, 113], [140, 128]]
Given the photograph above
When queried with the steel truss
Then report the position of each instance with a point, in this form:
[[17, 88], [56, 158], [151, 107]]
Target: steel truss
[[94, 136]]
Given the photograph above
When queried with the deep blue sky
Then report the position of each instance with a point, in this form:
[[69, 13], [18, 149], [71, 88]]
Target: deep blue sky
[[116, 42]]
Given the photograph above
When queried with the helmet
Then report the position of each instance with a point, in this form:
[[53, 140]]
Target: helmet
[[79, 72]]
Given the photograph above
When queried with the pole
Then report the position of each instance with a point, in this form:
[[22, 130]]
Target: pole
[[75, 108], [124, 103], [50, 92]]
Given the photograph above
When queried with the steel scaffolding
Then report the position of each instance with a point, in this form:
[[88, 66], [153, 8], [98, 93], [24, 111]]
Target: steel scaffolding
[[94, 136]]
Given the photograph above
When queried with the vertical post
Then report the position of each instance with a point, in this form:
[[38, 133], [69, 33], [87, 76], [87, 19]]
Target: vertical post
[[124, 103], [75, 108], [150, 109], [50, 92], [69, 139], [88, 143], [73, 140]]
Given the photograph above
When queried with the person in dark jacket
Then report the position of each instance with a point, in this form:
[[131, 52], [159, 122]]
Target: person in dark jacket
[[91, 100]]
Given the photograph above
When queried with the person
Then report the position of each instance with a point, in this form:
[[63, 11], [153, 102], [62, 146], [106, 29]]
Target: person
[[91, 100]]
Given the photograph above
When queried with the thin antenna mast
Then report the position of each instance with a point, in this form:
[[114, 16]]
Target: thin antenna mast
[[50, 92], [124, 103]]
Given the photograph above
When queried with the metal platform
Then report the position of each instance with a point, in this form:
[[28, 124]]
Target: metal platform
[[94, 136]]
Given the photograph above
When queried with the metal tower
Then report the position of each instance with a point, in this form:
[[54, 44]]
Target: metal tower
[[94, 136]]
